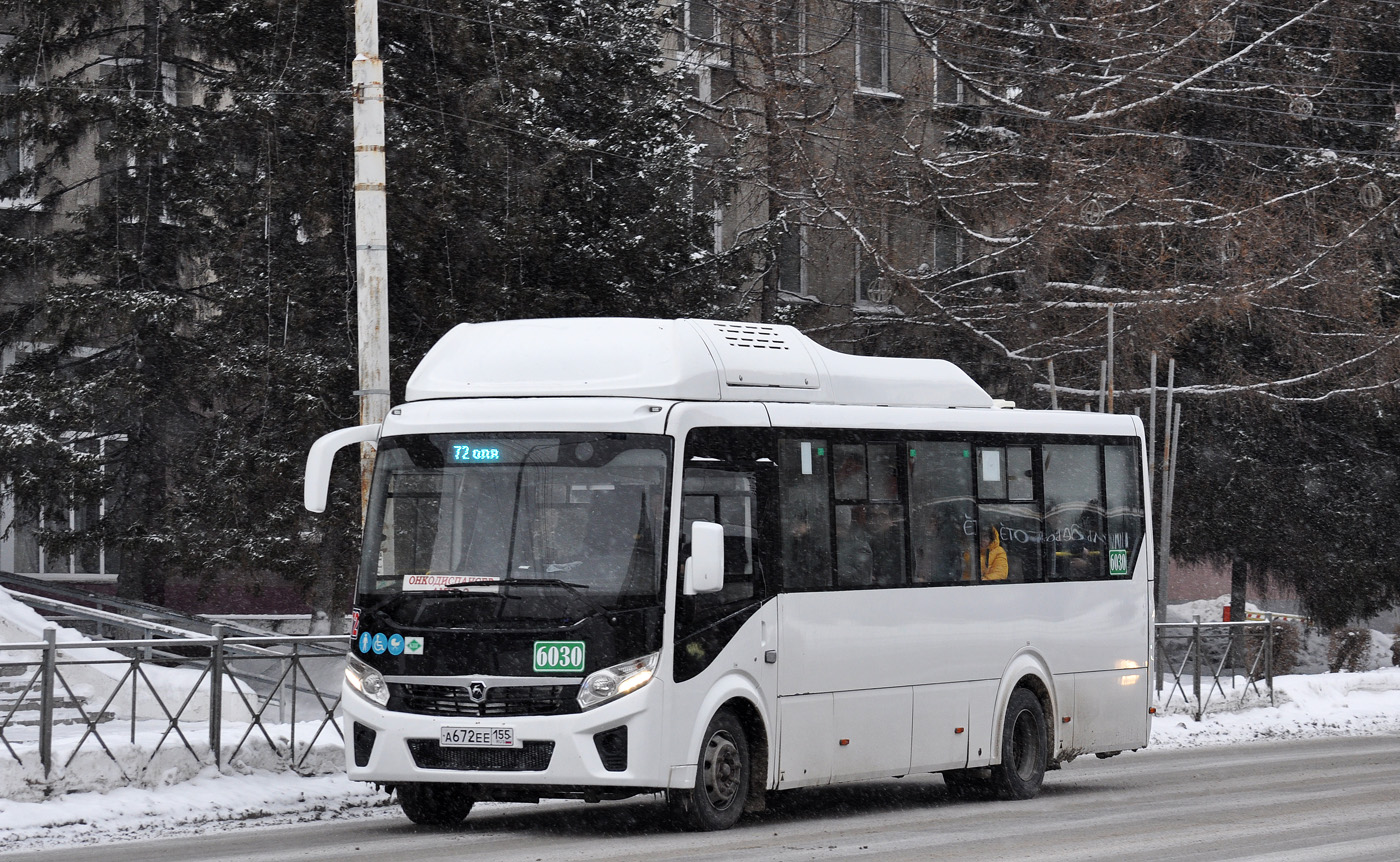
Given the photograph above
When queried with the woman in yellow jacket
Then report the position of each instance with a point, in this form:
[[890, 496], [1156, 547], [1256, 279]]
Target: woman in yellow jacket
[[994, 565]]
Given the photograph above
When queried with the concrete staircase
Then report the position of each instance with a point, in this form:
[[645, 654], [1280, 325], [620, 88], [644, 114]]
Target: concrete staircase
[[23, 707]]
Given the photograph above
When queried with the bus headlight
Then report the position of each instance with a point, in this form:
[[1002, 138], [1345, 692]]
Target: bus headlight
[[603, 685], [367, 681]]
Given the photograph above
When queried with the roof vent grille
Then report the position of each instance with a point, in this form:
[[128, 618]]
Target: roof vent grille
[[756, 335]]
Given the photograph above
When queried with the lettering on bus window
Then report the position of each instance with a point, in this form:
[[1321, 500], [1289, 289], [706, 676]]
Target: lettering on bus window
[[1009, 535], [1126, 518], [1076, 542]]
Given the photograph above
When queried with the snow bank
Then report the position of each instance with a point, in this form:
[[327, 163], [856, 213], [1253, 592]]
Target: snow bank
[[99, 676], [1309, 705], [84, 765]]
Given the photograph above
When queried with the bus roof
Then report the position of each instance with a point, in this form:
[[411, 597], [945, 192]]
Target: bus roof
[[686, 360]]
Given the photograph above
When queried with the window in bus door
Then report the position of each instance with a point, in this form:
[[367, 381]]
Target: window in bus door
[[728, 480], [805, 514], [943, 514], [1008, 515], [1076, 544]]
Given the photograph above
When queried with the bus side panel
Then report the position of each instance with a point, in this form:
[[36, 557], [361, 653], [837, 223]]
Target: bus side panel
[[872, 733], [1111, 710], [940, 732], [807, 739]]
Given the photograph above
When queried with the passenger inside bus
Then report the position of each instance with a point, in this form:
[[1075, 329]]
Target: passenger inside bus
[[994, 562]]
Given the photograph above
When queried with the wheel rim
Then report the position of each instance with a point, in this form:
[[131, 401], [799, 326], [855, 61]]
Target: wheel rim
[[1025, 745], [723, 770]]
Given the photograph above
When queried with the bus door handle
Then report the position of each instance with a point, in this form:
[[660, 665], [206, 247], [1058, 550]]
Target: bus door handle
[[770, 656]]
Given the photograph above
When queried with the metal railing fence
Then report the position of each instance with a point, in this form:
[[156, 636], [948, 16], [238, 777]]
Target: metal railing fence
[[257, 690], [1208, 656]]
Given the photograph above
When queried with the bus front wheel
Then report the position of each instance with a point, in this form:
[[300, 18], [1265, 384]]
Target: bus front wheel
[[1024, 748], [721, 777], [434, 804]]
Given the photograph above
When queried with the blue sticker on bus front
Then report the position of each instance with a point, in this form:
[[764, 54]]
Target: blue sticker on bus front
[[365, 641], [475, 453], [395, 644], [381, 643]]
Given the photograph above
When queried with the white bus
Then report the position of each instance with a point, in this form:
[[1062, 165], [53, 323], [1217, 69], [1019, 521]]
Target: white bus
[[714, 560]]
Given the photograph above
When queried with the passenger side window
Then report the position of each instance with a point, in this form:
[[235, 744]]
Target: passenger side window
[[870, 517], [1076, 544], [1126, 517], [943, 512], [1008, 516], [805, 514]]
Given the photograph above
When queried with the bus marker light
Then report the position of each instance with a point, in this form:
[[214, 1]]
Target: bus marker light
[[1065, 719], [959, 729], [845, 742]]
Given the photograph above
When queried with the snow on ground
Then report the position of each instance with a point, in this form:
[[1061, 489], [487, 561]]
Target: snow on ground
[[177, 797], [1308, 706]]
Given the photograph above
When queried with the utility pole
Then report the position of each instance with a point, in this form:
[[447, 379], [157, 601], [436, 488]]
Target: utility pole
[[371, 232]]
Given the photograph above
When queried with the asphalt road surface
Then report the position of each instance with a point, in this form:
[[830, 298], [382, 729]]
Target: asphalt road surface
[[1326, 799]]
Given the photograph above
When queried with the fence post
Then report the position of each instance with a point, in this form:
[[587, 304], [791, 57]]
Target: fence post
[[296, 665], [1269, 655], [216, 696], [48, 672], [1196, 680]]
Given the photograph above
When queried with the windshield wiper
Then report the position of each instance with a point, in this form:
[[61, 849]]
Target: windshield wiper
[[572, 588]]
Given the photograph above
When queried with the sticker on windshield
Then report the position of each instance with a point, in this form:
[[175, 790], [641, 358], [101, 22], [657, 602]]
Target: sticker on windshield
[[558, 656], [423, 583], [1118, 562], [413, 645]]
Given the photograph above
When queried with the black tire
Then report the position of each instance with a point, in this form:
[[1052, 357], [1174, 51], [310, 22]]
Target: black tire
[[1025, 748], [434, 804], [722, 775]]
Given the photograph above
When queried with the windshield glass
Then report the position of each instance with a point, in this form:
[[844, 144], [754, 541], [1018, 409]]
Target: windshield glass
[[516, 525]]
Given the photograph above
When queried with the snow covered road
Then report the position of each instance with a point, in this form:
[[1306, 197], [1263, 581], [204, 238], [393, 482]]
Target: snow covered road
[[1313, 799]]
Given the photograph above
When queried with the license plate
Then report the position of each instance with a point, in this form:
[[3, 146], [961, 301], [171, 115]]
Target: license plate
[[477, 737]]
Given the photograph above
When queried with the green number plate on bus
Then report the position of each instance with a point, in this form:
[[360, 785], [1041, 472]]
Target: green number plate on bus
[[559, 656], [1118, 563]]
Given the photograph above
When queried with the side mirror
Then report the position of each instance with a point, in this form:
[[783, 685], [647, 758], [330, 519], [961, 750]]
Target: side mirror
[[318, 462], [704, 570]]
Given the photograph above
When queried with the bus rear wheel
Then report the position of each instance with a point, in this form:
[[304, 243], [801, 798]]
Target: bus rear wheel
[[434, 804], [1024, 748], [721, 778]]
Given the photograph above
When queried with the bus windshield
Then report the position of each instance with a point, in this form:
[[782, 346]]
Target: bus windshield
[[475, 527]]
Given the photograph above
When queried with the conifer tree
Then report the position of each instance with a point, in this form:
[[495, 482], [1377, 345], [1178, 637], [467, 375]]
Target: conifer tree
[[180, 284]]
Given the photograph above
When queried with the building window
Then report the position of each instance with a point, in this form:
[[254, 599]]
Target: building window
[[9, 129], [792, 259], [947, 247], [90, 561], [948, 88], [701, 26], [872, 287], [873, 46], [790, 34]]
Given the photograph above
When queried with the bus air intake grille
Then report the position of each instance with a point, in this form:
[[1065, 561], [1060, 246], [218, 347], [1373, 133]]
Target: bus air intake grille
[[454, 700], [531, 757], [752, 335]]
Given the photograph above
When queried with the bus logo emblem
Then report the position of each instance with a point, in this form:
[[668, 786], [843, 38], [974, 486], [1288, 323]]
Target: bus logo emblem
[[476, 692]]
